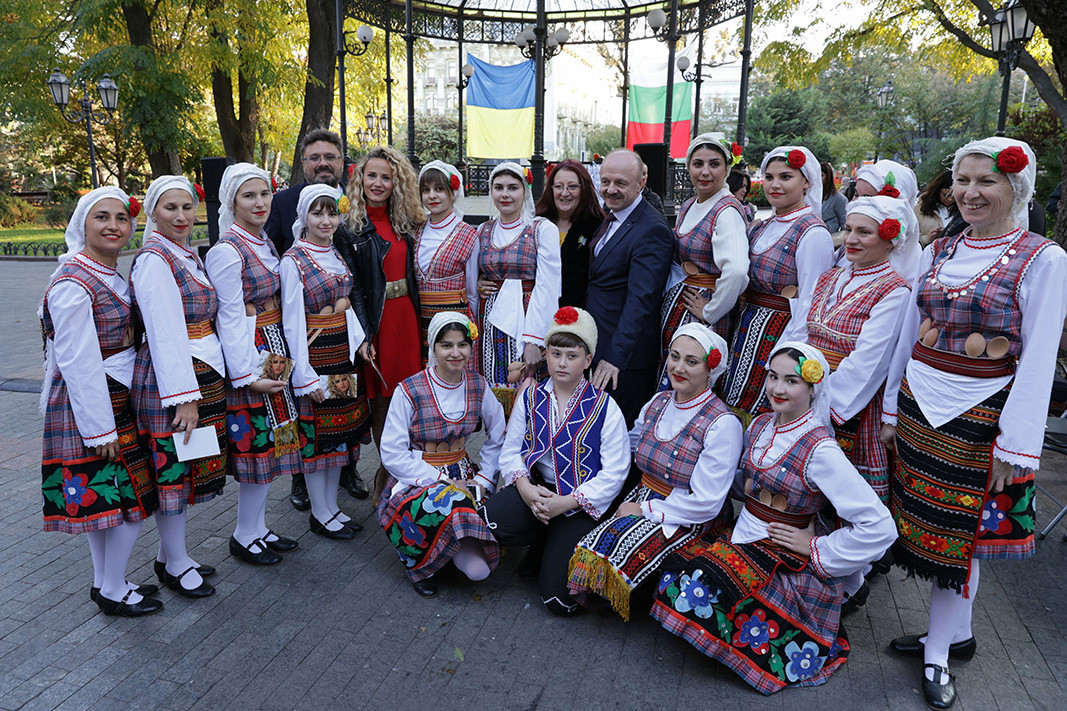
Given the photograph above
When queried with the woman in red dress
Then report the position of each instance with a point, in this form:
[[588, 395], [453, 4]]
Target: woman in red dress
[[385, 212]]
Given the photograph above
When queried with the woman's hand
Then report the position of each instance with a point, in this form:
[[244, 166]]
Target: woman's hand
[[694, 303], [486, 286], [553, 505], [186, 417], [1000, 475], [317, 396], [108, 451], [888, 436], [531, 356], [629, 508], [796, 540], [265, 386], [367, 351]]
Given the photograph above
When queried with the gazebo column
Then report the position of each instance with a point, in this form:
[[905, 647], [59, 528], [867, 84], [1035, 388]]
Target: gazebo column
[[537, 160], [409, 38]]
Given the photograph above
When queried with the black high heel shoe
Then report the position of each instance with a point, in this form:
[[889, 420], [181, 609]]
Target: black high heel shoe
[[142, 590], [161, 571], [123, 608], [174, 582], [344, 533]]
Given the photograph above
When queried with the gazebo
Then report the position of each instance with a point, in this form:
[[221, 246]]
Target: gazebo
[[535, 26]]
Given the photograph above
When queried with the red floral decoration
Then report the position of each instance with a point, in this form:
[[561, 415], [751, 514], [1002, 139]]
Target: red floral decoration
[[889, 229], [566, 315], [796, 159], [714, 358], [529, 176], [133, 207], [453, 182], [200, 194], [1011, 160], [737, 149], [890, 191], [273, 184], [351, 170]]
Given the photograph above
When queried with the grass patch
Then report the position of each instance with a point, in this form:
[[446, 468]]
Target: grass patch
[[25, 233]]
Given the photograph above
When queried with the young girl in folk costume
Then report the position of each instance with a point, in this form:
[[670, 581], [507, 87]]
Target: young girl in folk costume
[[95, 478], [262, 412], [787, 253], [765, 599], [976, 354], [446, 247], [178, 382], [519, 281], [564, 461], [710, 267], [687, 444], [428, 512], [324, 334]]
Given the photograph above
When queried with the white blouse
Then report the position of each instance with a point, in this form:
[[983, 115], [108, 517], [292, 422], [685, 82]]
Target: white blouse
[[944, 396], [430, 236], [408, 466], [594, 495], [713, 475], [869, 530], [160, 302], [236, 330], [544, 300]]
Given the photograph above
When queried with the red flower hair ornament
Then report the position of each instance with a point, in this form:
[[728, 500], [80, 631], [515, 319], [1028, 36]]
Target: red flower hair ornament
[[889, 191], [200, 194], [528, 175], [453, 182], [133, 207], [565, 316], [796, 159], [889, 229], [714, 358], [1011, 160]]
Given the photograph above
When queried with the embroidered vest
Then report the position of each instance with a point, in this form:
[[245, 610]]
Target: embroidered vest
[[111, 314], [789, 474], [695, 245], [448, 267], [428, 423], [776, 268], [837, 328], [576, 446], [257, 282], [199, 301], [672, 461], [517, 260], [321, 288]]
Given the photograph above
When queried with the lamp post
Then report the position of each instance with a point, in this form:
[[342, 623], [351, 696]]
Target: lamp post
[[884, 94], [372, 134], [59, 86], [656, 19], [1009, 29], [465, 75], [345, 46]]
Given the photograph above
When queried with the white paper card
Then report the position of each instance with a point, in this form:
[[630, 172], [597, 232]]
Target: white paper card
[[202, 443]]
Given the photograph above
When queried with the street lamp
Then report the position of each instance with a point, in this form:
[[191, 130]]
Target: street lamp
[[526, 42], [1010, 28], [884, 95], [465, 74], [657, 19], [59, 86]]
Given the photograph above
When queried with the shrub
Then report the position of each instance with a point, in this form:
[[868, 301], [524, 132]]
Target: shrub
[[57, 214], [15, 212]]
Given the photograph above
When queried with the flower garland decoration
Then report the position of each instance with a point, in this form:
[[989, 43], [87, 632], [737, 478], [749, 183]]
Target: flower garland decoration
[[453, 182], [890, 187], [1010, 160], [796, 159], [343, 204], [714, 357], [472, 330], [566, 315], [200, 194], [889, 229], [133, 207], [810, 370]]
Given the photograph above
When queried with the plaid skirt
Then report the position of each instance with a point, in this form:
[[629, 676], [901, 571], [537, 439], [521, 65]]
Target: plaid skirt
[[180, 483], [859, 440], [425, 523], [83, 492], [939, 498], [432, 303], [674, 314], [757, 608]]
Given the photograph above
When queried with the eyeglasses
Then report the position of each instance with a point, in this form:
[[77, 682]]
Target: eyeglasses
[[329, 158], [570, 187]]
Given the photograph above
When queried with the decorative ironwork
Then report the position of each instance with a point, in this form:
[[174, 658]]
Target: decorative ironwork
[[679, 188], [478, 179]]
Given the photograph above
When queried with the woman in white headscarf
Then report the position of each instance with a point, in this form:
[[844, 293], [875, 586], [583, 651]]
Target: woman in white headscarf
[[891, 179], [324, 335], [520, 274], [428, 507], [976, 355], [262, 413], [446, 247], [179, 377], [787, 253], [710, 266], [95, 477], [687, 444], [765, 598]]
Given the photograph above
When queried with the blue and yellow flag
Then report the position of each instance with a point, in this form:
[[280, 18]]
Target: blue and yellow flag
[[500, 110]]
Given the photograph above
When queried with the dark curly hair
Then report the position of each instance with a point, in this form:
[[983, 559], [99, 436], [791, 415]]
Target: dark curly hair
[[588, 206]]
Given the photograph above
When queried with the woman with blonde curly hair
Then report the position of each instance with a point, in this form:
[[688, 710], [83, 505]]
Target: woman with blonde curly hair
[[385, 212]]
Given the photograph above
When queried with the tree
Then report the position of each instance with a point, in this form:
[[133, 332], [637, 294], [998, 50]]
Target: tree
[[851, 147]]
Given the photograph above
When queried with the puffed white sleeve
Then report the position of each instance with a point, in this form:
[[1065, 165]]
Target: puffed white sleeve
[[544, 300], [78, 359], [868, 530], [511, 464], [862, 372], [471, 281], [729, 244], [709, 485], [1043, 301], [160, 303], [223, 266], [495, 426], [294, 322], [815, 254], [403, 462], [595, 495], [909, 334]]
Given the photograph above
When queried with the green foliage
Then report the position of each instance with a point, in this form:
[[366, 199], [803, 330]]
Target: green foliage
[[602, 139], [1046, 135], [784, 116], [436, 137], [14, 211], [851, 147]]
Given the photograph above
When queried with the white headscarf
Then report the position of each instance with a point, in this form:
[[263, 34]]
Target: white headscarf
[[820, 396], [439, 321], [892, 174], [233, 178], [527, 191], [904, 257], [159, 186], [308, 195], [810, 170], [709, 341], [716, 139], [1022, 183], [450, 170]]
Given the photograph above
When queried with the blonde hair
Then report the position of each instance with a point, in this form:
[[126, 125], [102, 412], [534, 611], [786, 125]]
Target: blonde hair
[[404, 206]]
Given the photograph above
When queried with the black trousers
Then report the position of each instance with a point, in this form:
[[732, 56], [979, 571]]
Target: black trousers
[[513, 524], [636, 388]]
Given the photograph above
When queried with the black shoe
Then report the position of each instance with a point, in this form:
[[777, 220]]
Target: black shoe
[[298, 495], [174, 582], [910, 646], [142, 590], [265, 556], [162, 574], [427, 587], [530, 567], [356, 526], [344, 533], [857, 600], [939, 696], [882, 566], [282, 545], [123, 608], [351, 483]]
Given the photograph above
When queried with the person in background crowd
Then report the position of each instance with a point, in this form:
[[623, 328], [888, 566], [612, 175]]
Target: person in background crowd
[[740, 183], [935, 208], [833, 203], [571, 205]]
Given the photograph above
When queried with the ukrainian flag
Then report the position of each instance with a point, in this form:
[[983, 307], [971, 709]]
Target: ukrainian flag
[[500, 110]]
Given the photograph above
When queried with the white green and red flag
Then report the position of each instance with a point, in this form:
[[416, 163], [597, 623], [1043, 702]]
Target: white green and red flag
[[648, 97]]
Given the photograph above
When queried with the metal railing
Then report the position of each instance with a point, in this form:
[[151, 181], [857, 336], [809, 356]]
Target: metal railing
[[678, 186], [54, 249]]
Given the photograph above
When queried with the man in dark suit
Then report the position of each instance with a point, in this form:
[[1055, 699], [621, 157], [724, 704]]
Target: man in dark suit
[[630, 261]]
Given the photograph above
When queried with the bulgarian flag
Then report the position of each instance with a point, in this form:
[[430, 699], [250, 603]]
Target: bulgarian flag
[[648, 97], [500, 110]]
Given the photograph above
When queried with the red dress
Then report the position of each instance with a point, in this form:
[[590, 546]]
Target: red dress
[[397, 340]]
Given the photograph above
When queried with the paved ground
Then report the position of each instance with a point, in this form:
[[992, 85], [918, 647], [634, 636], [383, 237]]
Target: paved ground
[[336, 626]]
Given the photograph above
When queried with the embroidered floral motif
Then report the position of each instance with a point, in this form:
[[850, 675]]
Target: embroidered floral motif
[[755, 631], [804, 662]]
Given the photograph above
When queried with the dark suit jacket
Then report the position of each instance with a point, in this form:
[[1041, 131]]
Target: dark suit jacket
[[282, 215], [626, 282]]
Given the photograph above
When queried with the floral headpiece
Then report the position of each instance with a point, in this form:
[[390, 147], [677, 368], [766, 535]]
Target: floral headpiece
[[809, 369], [1010, 160], [343, 204], [200, 194], [889, 229], [796, 159], [453, 182], [528, 175], [890, 188], [350, 170], [133, 207], [714, 356], [566, 315], [735, 151], [472, 330]]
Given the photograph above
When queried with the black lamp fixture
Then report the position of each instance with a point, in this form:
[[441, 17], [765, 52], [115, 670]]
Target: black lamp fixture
[[59, 87], [1010, 28]]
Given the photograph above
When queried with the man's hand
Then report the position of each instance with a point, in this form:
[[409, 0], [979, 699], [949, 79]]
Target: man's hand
[[605, 373]]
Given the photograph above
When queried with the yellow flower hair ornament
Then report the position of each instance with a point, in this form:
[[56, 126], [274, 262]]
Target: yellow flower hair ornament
[[472, 330], [810, 370], [343, 204]]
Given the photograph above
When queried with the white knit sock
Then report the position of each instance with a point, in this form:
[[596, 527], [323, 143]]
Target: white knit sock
[[118, 546], [97, 548], [950, 620]]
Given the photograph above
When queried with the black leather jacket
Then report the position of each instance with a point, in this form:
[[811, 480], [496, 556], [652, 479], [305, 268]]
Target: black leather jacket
[[364, 253]]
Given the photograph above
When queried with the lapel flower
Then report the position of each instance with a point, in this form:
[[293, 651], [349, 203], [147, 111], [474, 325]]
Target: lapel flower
[[889, 229], [453, 182], [810, 370], [796, 159], [1010, 160], [133, 207]]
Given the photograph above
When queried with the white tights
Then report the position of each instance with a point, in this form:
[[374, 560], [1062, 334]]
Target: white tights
[[950, 619], [110, 550], [322, 490], [251, 512], [172, 550], [471, 559]]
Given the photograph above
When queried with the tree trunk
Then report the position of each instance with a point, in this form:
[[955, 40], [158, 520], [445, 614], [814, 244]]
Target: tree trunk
[[237, 124], [318, 89]]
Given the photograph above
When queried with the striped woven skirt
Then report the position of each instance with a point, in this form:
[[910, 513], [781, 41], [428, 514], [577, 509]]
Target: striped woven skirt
[[498, 349], [674, 314], [759, 326], [425, 523], [83, 492], [944, 514], [432, 303]]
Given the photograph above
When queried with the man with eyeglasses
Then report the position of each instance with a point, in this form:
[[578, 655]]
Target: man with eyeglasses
[[323, 163]]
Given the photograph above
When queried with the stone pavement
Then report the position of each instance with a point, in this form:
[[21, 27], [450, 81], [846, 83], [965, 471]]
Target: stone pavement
[[336, 625]]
